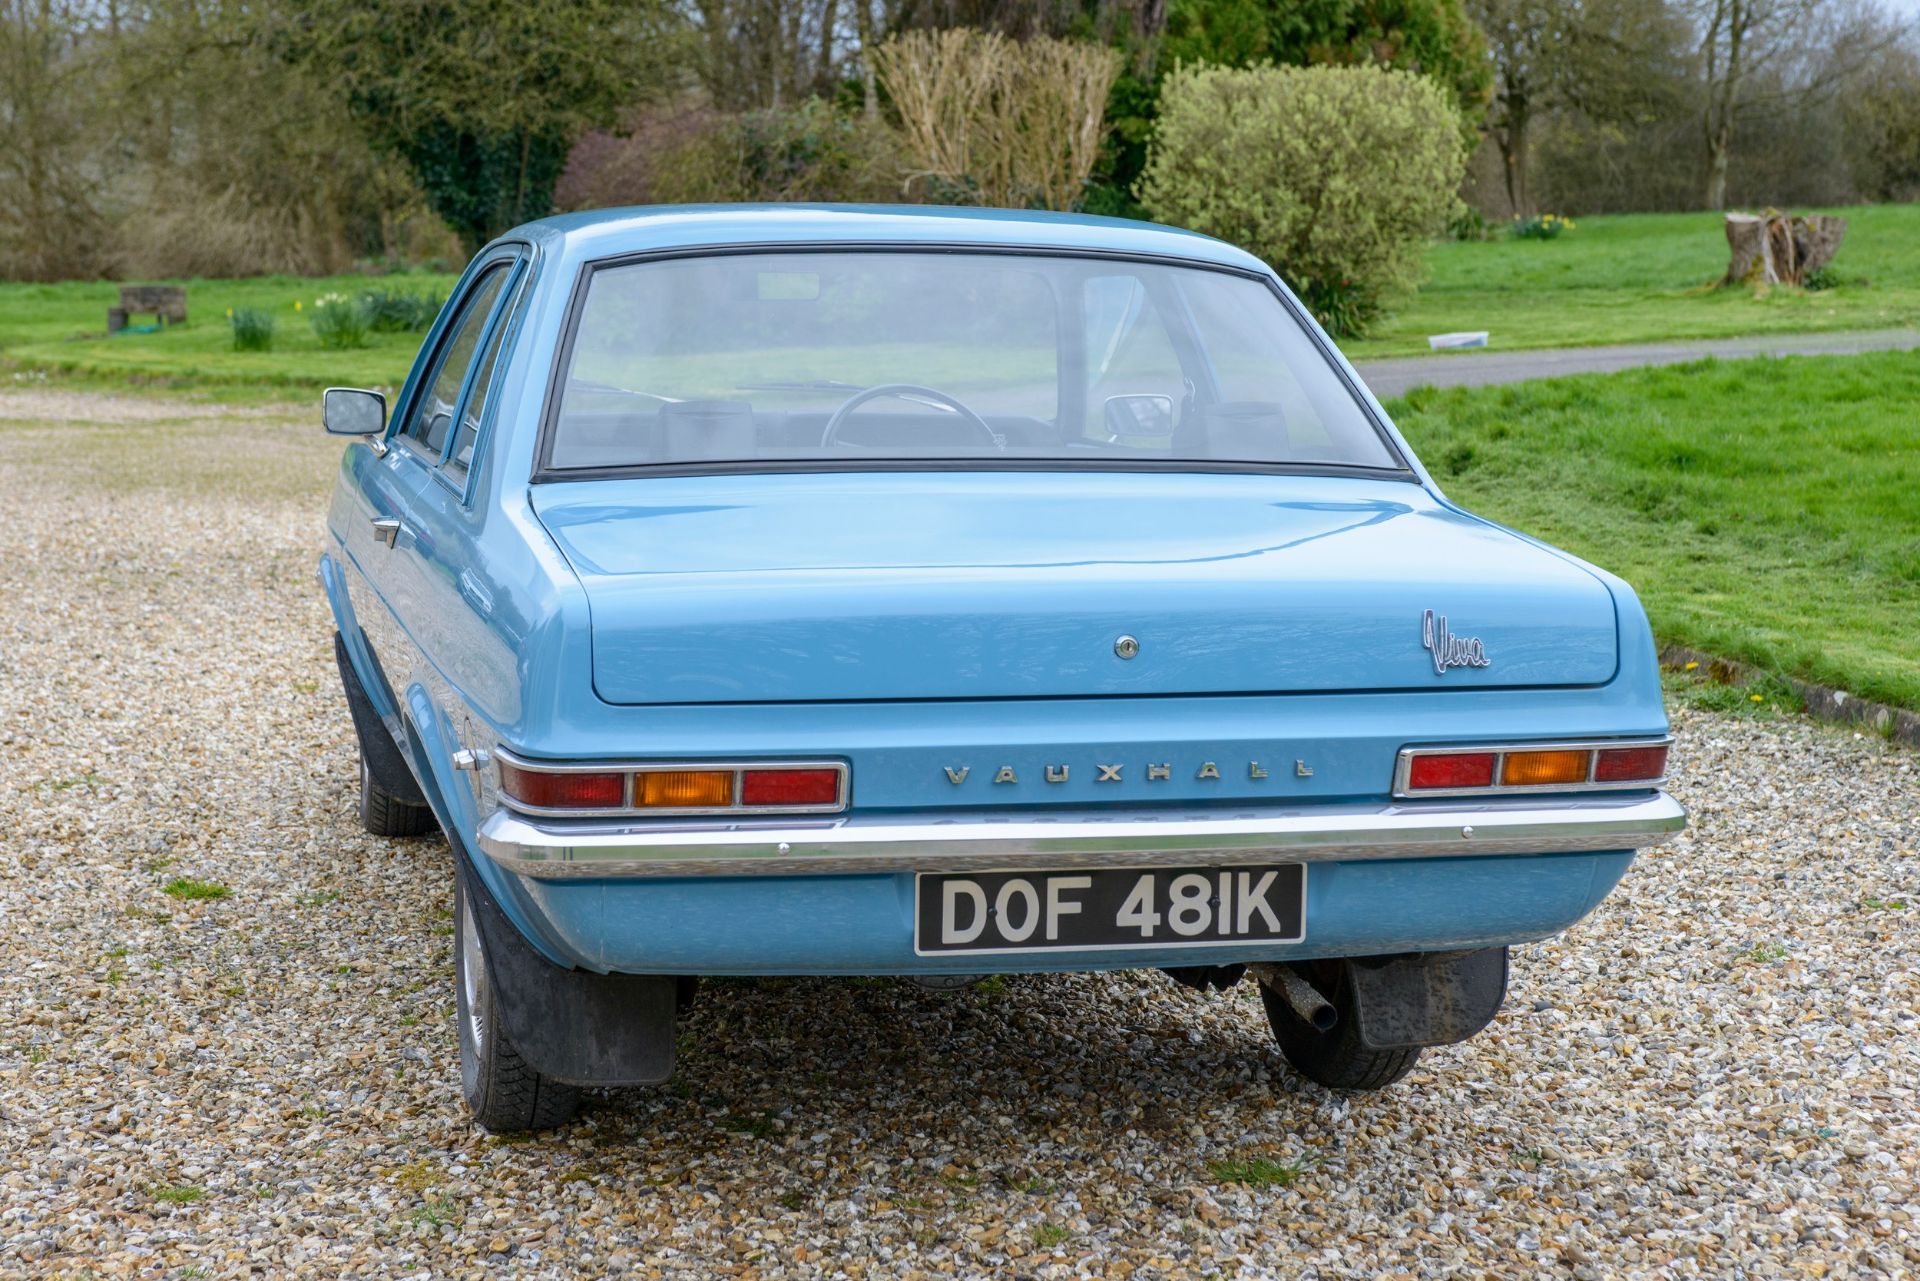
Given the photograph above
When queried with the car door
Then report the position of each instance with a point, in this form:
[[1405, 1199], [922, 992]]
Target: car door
[[408, 489]]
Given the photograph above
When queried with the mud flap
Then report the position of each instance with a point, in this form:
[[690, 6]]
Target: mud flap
[[1432, 998], [577, 1027], [384, 759]]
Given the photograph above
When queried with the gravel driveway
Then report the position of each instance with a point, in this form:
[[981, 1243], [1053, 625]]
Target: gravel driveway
[[1715, 1075]]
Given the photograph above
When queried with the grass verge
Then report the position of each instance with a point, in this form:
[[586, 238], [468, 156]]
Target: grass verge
[[1645, 278], [1765, 510], [62, 328]]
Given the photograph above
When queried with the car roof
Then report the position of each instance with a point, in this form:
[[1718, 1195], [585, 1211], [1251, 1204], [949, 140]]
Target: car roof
[[606, 233]]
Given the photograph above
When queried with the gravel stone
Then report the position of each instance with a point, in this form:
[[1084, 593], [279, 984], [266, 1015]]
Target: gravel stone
[[1715, 1075]]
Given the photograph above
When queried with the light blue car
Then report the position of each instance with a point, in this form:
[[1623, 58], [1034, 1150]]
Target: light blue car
[[939, 593]]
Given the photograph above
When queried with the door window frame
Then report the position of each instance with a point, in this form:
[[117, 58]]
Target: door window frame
[[517, 258]]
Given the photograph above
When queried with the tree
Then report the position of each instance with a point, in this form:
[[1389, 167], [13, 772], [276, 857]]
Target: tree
[[754, 54], [1740, 41], [50, 226], [1434, 38], [483, 98], [1883, 127], [1615, 61]]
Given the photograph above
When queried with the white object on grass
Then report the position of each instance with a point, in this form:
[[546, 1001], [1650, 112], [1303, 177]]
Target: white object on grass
[[1444, 342]]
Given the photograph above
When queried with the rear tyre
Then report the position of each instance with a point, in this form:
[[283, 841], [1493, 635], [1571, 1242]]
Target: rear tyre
[[1336, 1058], [384, 814], [503, 1091]]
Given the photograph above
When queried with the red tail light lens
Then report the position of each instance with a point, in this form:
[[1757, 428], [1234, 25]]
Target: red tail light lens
[[1630, 764], [674, 790], [790, 787], [1453, 769], [570, 791]]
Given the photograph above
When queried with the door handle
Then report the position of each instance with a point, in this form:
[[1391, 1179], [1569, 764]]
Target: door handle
[[386, 529]]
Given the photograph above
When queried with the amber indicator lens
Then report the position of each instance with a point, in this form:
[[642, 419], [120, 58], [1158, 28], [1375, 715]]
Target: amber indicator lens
[[1626, 764], [541, 790], [790, 787], [683, 789], [1457, 769], [1534, 769]]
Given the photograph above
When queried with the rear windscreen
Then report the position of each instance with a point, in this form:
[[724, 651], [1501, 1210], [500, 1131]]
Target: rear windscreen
[[884, 356]]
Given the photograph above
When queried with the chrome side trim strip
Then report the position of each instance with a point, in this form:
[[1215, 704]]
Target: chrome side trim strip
[[552, 851]]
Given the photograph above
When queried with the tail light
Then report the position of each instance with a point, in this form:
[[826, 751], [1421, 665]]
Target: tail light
[[1481, 769], [572, 790], [551, 787], [790, 787]]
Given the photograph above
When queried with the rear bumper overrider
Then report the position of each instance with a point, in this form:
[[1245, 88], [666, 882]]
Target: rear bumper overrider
[[559, 850]]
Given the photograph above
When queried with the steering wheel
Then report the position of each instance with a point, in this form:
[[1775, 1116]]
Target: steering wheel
[[909, 391]]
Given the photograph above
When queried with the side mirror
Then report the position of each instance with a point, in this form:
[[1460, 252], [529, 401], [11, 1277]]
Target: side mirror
[[349, 411], [1139, 417]]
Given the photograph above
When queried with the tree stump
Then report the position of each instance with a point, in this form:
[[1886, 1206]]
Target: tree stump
[[1775, 249]]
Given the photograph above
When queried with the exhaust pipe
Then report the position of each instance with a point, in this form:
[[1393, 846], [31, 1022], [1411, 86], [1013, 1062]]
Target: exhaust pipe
[[1300, 995]]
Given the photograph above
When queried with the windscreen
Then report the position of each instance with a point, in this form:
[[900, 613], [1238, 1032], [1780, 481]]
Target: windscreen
[[851, 358]]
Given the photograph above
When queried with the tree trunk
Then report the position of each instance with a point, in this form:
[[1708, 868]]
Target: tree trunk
[[1511, 136], [869, 92], [1718, 143], [1751, 264], [1816, 240], [1774, 249]]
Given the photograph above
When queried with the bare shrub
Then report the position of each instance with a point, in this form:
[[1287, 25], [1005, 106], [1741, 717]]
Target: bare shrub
[[994, 121], [192, 233]]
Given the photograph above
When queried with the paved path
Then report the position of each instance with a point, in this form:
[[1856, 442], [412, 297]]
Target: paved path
[[1479, 367]]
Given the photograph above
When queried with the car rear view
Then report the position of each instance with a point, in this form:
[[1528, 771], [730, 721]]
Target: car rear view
[[938, 596]]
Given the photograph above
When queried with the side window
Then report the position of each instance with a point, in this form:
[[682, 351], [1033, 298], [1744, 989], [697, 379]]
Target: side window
[[476, 408], [432, 419], [1274, 383]]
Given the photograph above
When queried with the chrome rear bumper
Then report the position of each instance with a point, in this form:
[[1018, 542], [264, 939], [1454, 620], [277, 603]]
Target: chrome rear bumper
[[551, 850]]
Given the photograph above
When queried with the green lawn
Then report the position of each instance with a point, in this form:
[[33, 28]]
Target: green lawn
[[1765, 510], [1641, 278], [64, 328]]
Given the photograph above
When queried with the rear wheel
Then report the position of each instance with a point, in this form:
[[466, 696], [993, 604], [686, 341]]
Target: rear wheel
[[504, 1092], [1336, 1058], [384, 814]]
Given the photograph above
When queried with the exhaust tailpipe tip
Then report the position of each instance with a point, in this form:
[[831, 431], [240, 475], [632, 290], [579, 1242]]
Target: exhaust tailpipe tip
[[1301, 996]]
